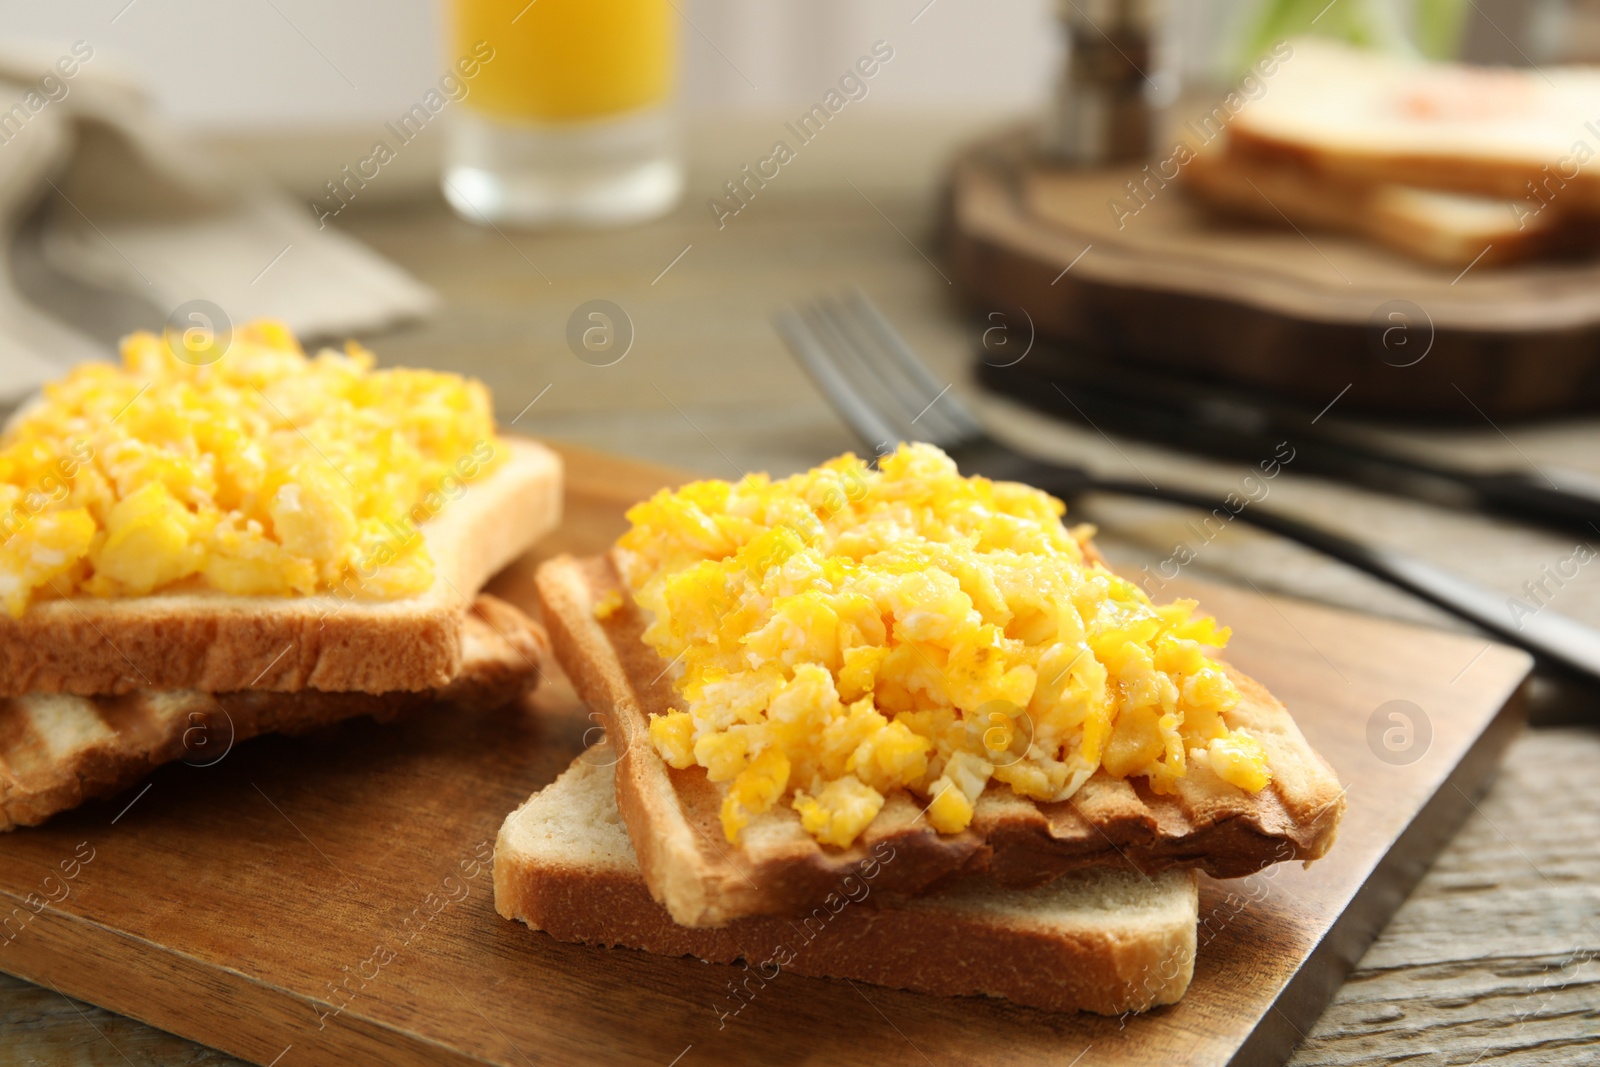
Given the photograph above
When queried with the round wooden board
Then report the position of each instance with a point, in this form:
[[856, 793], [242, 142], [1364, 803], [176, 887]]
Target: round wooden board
[[1302, 315]]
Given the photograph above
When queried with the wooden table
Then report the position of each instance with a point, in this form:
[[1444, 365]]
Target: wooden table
[[1495, 958]]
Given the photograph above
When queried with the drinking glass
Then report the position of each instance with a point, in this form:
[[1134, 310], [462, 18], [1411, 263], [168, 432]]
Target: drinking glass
[[569, 119]]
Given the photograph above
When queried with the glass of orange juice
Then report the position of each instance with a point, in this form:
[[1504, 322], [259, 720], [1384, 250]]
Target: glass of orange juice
[[568, 117]]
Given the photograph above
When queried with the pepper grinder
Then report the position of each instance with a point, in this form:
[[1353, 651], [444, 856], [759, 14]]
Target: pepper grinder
[[1107, 97]]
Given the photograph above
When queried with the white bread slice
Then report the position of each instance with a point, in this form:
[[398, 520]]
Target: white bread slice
[[1451, 230], [1102, 940], [778, 869], [58, 751], [1390, 119], [219, 643]]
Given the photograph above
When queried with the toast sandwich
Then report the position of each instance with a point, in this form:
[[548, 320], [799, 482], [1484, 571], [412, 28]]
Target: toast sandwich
[[1525, 136], [1106, 940], [1450, 229], [672, 815], [58, 750]]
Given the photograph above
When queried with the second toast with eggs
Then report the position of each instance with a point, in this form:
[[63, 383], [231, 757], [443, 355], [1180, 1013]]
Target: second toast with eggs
[[217, 642], [673, 815]]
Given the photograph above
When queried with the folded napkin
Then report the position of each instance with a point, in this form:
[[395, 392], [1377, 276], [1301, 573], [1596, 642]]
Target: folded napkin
[[111, 221]]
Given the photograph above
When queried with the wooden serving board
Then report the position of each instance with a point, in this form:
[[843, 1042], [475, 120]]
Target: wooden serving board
[[325, 900], [1301, 314]]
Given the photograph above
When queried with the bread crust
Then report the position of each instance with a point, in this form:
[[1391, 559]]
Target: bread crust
[[967, 940], [1406, 218], [219, 643], [1396, 125], [673, 816], [58, 750], [1504, 178]]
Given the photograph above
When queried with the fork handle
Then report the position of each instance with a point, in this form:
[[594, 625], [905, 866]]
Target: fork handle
[[1524, 623]]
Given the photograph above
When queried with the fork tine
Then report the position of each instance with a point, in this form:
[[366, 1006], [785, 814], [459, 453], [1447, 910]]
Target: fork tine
[[897, 348], [809, 349], [901, 399], [872, 377], [921, 412], [870, 388]]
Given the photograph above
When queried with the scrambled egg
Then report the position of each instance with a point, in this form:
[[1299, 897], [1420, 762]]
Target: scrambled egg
[[848, 632], [265, 473]]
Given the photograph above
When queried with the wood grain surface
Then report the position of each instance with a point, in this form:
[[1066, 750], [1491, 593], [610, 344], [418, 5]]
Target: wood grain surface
[[1421, 995], [1489, 961], [331, 896]]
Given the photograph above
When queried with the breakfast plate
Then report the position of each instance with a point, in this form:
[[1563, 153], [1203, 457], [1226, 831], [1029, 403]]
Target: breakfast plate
[[329, 898]]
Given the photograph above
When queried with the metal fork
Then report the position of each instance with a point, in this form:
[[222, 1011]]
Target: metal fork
[[887, 395]]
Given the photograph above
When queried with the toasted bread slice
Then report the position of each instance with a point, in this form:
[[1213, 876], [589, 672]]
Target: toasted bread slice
[[58, 751], [1523, 135], [1104, 940], [1453, 230], [779, 869], [218, 643]]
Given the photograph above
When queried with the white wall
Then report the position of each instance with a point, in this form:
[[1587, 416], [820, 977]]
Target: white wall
[[232, 64]]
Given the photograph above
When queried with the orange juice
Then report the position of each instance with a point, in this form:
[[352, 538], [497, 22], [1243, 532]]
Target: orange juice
[[568, 60]]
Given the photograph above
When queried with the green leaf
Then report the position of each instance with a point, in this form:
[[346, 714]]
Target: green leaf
[[1435, 25], [1439, 27]]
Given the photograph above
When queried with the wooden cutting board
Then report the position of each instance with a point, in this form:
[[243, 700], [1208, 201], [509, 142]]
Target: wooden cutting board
[[1150, 276], [326, 899]]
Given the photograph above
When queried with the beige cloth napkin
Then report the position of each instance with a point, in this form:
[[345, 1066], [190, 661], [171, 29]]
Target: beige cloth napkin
[[123, 206]]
